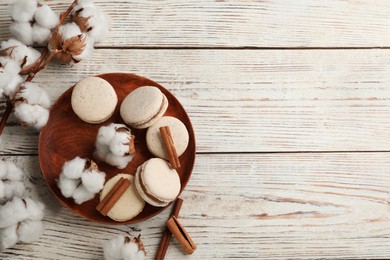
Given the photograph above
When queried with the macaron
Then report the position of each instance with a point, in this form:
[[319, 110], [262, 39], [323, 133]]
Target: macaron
[[179, 134], [143, 107], [157, 183], [93, 100], [130, 203]]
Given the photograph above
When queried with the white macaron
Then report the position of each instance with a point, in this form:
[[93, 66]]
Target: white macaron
[[179, 134], [157, 183], [143, 107], [94, 100], [130, 203]]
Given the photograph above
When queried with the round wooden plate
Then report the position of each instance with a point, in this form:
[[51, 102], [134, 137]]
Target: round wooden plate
[[65, 136]]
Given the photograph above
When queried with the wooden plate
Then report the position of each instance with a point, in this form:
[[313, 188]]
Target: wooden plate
[[65, 136]]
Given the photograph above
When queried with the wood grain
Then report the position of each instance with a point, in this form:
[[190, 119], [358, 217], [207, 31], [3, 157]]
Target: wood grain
[[252, 100], [239, 23], [255, 206]]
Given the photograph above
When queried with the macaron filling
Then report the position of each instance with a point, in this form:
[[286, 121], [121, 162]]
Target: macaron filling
[[159, 112]]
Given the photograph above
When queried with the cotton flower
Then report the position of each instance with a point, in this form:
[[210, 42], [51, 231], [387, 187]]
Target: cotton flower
[[32, 23], [80, 179], [124, 248], [10, 181], [20, 220], [23, 10], [115, 145], [91, 20], [45, 17], [17, 51], [68, 43], [31, 105], [9, 76], [23, 32]]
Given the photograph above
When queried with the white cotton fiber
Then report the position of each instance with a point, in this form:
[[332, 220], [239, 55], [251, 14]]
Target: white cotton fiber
[[12, 212], [119, 144], [112, 146], [40, 34], [9, 76], [118, 161], [11, 189], [74, 168], [20, 51], [113, 248], [67, 186], [45, 17], [101, 26], [81, 195], [29, 231], [129, 251], [35, 209], [69, 30], [106, 133], [86, 53], [23, 32], [93, 181], [13, 172], [23, 10], [33, 95], [8, 237], [32, 115]]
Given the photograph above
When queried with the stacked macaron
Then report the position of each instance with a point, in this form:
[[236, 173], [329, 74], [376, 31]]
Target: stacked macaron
[[143, 107], [157, 183]]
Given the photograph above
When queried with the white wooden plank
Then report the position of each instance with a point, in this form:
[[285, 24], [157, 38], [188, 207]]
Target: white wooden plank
[[251, 206], [254, 101], [238, 23]]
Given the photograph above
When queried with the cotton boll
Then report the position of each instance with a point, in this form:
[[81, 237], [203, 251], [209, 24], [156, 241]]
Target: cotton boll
[[10, 66], [8, 237], [69, 30], [9, 83], [23, 10], [12, 189], [45, 17], [20, 52], [101, 151], [86, 53], [93, 181], [12, 212], [35, 209], [118, 161], [105, 134], [74, 168], [113, 248], [23, 32], [100, 25], [33, 95], [119, 144], [13, 172], [81, 195], [32, 115], [129, 251], [29, 231], [40, 34], [67, 186]]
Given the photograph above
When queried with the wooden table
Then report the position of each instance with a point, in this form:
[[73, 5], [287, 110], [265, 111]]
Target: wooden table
[[290, 102]]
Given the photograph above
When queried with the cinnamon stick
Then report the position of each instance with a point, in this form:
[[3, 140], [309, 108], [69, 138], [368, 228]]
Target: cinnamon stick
[[181, 235], [170, 147], [166, 239], [113, 196]]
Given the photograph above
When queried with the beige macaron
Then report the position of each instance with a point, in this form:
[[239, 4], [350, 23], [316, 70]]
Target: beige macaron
[[143, 107], [157, 183], [179, 134], [130, 203], [94, 100]]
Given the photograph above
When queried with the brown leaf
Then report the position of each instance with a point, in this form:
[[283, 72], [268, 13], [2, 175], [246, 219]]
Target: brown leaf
[[82, 22], [64, 57], [75, 45], [55, 41], [8, 51]]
